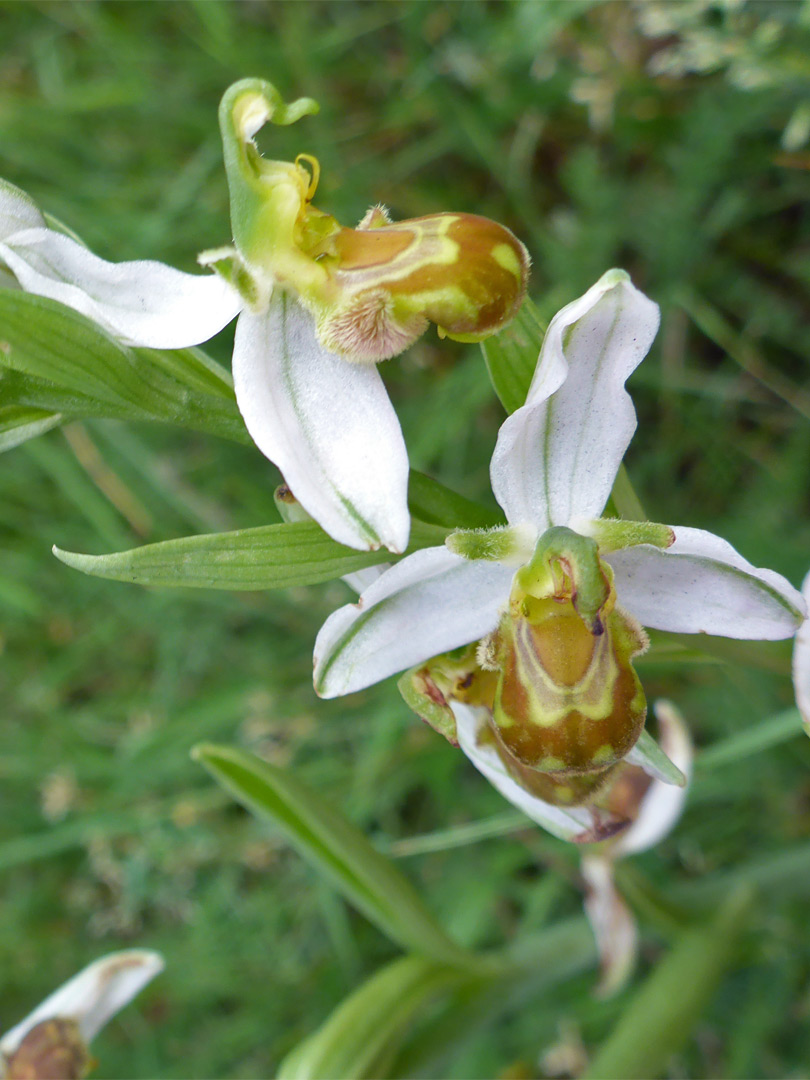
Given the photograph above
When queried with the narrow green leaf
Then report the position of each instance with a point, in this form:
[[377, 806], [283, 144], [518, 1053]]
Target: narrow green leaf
[[511, 355], [432, 502], [267, 557], [19, 423], [365, 1031], [59, 348], [741, 348], [472, 832], [325, 838], [778, 875], [663, 1013]]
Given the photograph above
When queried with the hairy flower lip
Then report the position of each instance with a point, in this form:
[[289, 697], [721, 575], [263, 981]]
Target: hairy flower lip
[[465, 273], [568, 703]]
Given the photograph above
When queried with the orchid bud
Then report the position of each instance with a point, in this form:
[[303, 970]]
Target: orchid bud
[[568, 705], [372, 290]]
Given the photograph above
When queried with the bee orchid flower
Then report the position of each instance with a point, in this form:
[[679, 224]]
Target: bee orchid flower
[[318, 304], [521, 639], [52, 1042]]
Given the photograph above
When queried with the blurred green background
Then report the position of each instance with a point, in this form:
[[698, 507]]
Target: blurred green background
[[668, 138]]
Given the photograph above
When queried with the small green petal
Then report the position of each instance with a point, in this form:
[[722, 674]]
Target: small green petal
[[613, 534], [507, 543]]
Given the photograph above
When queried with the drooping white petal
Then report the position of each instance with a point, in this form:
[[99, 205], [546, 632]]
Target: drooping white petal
[[662, 803], [427, 604], [141, 303], [18, 211], [801, 663], [326, 423], [92, 997], [612, 922], [701, 585], [557, 456], [578, 823]]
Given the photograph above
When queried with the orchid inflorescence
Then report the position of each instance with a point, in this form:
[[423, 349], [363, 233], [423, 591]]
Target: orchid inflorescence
[[521, 638], [518, 642]]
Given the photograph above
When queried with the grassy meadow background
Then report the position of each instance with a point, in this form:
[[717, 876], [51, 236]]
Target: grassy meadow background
[[667, 138]]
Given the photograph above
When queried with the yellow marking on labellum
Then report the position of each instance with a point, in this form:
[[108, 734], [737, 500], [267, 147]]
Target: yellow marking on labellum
[[381, 247], [407, 247], [52, 1048], [551, 764], [603, 754], [504, 255]]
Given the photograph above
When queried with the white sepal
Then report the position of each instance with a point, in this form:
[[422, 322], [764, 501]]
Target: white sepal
[[425, 605], [141, 303], [326, 423], [92, 997], [557, 456], [701, 585]]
